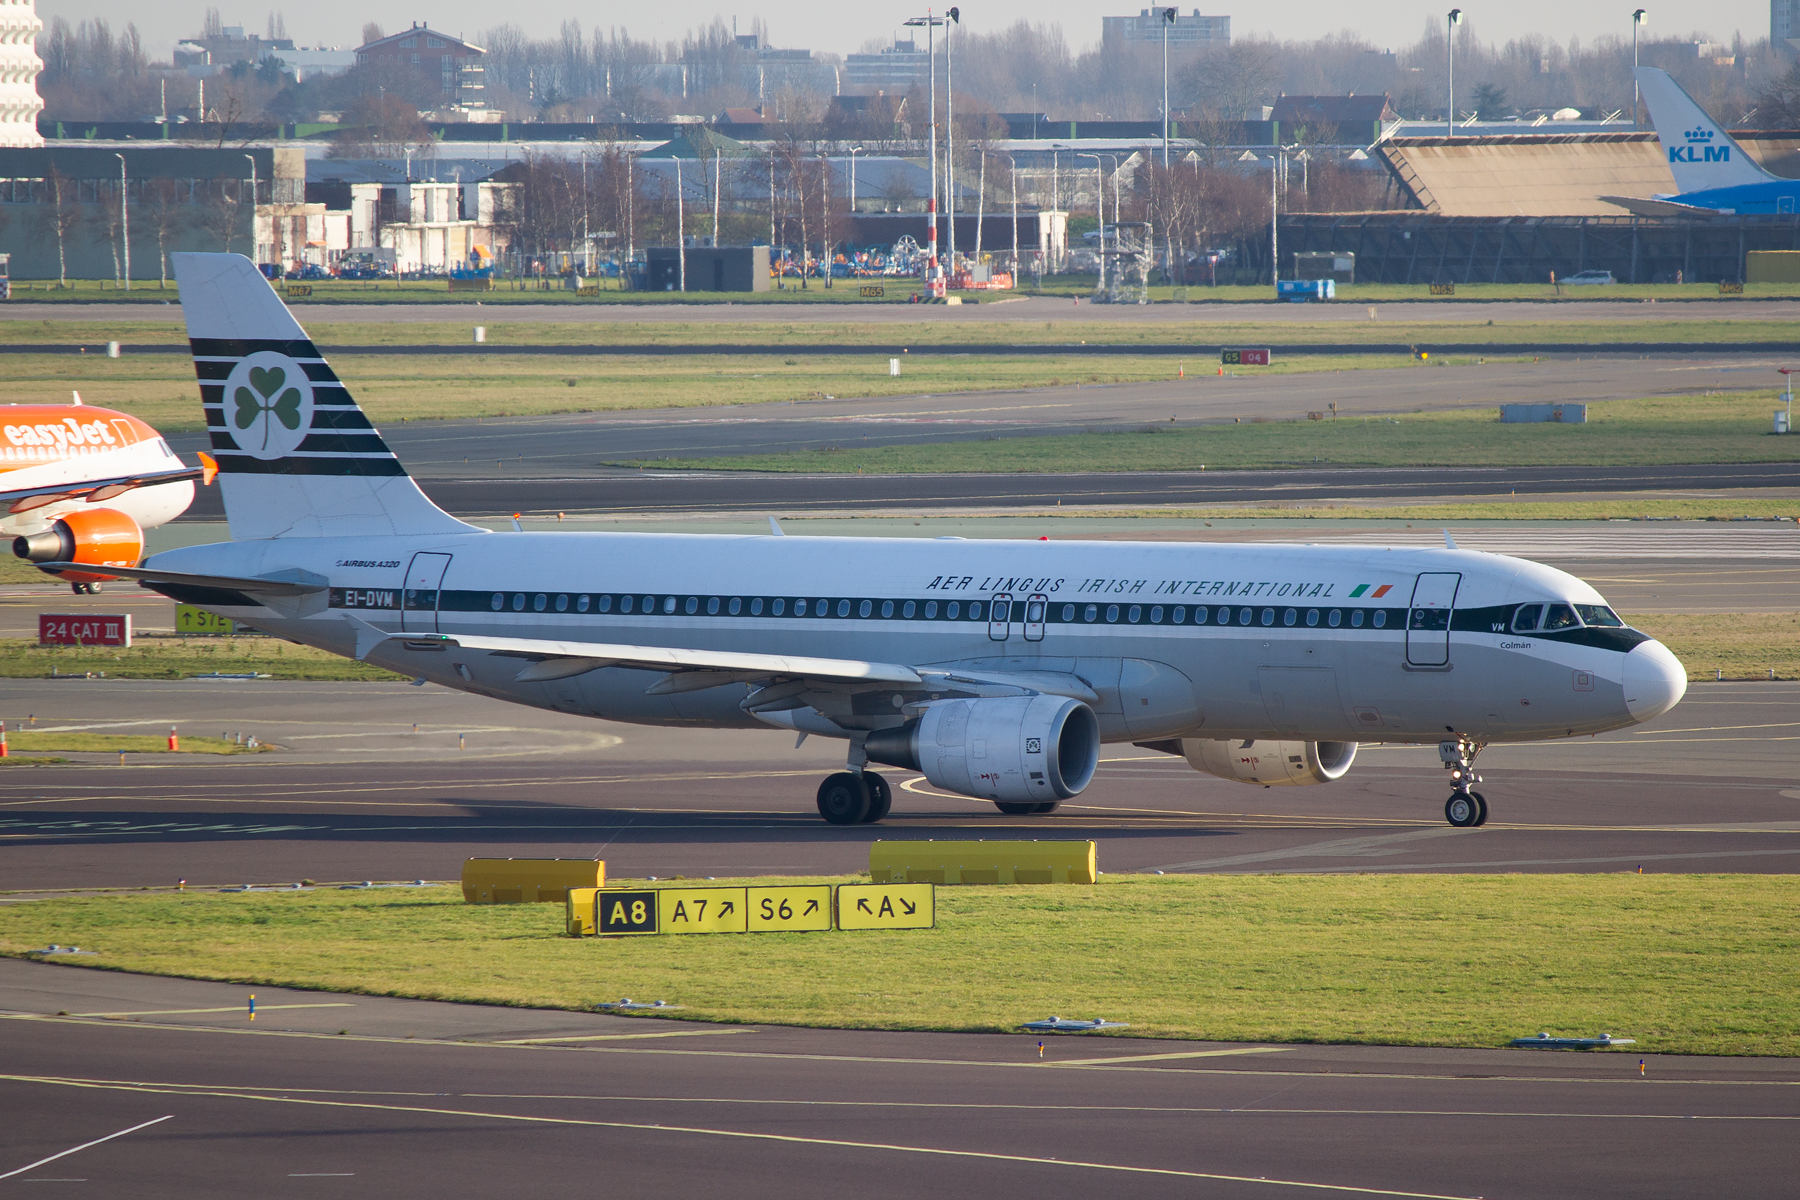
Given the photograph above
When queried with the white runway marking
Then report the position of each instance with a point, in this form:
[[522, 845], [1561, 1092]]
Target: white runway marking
[[72, 1149]]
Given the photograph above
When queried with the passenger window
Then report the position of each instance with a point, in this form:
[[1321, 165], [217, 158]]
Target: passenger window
[[844, 608], [581, 604], [954, 611], [1526, 619], [1335, 619], [909, 610], [1179, 615], [887, 609], [1268, 616], [1135, 614], [1068, 613], [499, 601], [712, 606], [931, 610], [1599, 614], [1245, 616], [1559, 616], [562, 604], [1356, 619], [649, 604], [1312, 616], [777, 607], [756, 607], [1380, 617], [736, 606], [518, 602], [605, 604], [799, 608], [1112, 613], [625, 603]]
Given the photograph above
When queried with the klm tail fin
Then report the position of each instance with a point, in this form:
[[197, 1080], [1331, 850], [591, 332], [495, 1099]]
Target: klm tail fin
[[297, 457], [1701, 155]]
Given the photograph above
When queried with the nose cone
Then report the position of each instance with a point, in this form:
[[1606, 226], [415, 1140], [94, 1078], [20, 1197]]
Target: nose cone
[[1654, 680]]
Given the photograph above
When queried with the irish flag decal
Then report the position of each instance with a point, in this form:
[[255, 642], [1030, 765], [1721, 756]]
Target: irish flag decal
[[1377, 594]]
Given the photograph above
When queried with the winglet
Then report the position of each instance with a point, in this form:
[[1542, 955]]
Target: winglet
[[209, 467], [1449, 542], [775, 527]]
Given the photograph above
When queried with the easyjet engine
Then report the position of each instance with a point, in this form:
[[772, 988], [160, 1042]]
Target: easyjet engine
[[1270, 763], [103, 537], [1010, 748]]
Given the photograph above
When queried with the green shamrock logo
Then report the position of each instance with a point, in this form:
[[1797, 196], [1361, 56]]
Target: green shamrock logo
[[252, 406]]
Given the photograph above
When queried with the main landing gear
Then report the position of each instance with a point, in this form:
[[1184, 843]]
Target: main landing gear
[[1465, 809], [86, 589], [855, 798]]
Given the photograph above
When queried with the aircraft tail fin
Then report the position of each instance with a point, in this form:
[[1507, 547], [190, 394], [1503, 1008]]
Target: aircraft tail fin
[[296, 456], [1701, 155]]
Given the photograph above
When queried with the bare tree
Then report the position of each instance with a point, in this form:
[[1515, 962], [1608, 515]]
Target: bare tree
[[108, 218], [167, 215], [220, 213], [372, 32], [63, 215]]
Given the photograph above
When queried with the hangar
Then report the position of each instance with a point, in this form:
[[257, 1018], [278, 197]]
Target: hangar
[[1512, 208]]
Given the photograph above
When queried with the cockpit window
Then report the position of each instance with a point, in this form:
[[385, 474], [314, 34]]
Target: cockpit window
[[1526, 619], [1599, 614], [1558, 616]]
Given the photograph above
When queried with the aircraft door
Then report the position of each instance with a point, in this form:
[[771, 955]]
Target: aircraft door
[[1034, 617], [419, 602], [1428, 622], [1784, 204], [1000, 617]]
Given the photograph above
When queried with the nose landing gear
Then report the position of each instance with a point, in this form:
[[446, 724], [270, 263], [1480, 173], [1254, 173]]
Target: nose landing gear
[[1465, 809]]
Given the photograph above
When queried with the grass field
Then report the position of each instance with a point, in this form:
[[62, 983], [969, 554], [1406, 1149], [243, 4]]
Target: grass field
[[161, 388], [1569, 327], [1736, 645], [1684, 964], [1730, 427], [168, 657], [75, 742], [848, 291]]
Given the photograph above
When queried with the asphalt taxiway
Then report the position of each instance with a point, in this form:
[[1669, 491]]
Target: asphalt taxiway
[[389, 781], [330, 1095]]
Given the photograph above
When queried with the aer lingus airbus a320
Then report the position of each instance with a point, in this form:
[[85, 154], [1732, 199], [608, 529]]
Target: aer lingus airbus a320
[[995, 668]]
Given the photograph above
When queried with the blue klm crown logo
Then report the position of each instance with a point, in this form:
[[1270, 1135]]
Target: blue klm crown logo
[[1699, 148]]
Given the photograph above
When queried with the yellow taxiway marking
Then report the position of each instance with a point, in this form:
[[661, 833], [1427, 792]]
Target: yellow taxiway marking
[[613, 1037], [171, 1012], [746, 1135], [1136, 1058]]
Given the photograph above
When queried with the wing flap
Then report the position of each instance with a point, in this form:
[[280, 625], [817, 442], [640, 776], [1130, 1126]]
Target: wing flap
[[563, 658], [286, 584]]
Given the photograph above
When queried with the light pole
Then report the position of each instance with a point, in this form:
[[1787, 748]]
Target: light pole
[[931, 220], [253, 246], [1168, 16], [124, 218], [1100, 211], [1637, 21], [1450, 58], [854, 151], [1275, 216], [955, 15], [1012, 169]]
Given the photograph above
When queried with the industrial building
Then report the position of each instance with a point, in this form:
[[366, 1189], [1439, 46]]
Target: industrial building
[[1189, 32]]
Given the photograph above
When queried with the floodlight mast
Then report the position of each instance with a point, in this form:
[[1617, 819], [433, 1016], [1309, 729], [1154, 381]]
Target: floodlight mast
[[1168, 16], [1450, 59], [931, 218], [1637, 21], [955, 15]]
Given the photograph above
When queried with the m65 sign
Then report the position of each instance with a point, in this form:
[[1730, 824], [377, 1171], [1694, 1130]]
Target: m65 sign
[[108, 629]]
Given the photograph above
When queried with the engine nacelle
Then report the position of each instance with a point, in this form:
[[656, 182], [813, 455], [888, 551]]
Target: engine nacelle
[[103, 537], [1017, 748], [1270, 763]]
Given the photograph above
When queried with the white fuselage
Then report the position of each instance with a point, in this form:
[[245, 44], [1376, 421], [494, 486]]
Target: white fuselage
[[1196, 640], [149, 506]]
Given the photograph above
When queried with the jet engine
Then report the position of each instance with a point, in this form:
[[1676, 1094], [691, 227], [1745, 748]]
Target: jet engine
[[104, 537], [1270, 763], [1025, 749]]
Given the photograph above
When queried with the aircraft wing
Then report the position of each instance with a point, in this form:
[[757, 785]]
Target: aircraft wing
[[1647, 207], [20, 500], [287, 584], [559, 660]]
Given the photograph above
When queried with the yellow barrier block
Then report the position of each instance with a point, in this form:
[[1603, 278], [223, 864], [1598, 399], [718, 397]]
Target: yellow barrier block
[[580, 915], [886, 906], [702, 910], [982, 862], [804, 909], [528, 880]]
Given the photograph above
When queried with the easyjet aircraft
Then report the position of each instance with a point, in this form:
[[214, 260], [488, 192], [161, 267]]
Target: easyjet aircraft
[[995, 668], [81, 484]]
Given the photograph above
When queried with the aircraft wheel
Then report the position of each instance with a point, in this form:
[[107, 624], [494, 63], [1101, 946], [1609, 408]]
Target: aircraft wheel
[[843, 799], [1462, 810], [881, 797], [1480, 803]]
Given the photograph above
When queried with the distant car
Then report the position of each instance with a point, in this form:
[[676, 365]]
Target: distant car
[[1590, 277]]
